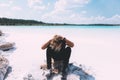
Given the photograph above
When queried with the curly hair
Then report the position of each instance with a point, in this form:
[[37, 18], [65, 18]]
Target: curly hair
[[56, 43]]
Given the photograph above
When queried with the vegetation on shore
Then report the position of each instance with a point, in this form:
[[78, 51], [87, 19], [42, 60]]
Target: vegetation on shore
[[19, 22]]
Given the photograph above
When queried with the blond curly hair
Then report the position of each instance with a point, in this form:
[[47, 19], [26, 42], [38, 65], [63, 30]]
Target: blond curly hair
[[55, 43]]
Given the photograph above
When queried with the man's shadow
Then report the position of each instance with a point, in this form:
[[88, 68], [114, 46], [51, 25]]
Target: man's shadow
[[78, 71]]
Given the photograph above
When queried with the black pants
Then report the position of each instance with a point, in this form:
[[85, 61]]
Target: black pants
[[63, 55]]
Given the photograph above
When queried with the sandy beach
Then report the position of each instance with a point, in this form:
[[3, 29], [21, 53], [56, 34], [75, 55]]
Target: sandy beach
[[97, 49]]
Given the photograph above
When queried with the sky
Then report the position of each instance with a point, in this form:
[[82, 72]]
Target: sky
[[63, 11]]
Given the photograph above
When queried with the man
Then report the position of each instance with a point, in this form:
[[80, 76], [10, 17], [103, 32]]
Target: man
[[58, 49]]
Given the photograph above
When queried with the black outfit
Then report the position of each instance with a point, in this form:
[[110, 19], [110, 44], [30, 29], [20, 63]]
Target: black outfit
[[63, 54]]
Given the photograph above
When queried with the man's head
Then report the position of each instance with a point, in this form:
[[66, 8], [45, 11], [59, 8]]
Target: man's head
[[56, 42]]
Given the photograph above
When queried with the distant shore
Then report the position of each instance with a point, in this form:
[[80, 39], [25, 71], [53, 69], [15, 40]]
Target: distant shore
[[22, 22]]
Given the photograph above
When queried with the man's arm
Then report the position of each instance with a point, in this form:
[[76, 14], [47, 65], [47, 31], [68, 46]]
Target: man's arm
[[69, 43], [45, 45]]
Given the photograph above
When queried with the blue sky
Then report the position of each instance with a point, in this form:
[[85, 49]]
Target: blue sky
[[63, 11]]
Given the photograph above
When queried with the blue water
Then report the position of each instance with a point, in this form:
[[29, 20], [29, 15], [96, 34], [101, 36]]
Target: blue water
[[60, 29], [80, 27]]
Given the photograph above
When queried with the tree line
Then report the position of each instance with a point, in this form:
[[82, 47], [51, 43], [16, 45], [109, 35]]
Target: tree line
[[7, 21]]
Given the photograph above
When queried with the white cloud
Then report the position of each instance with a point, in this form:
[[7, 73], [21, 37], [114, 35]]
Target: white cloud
[[6, 4], [114, 19], [16, 8], [6, 14], [36, 4], [39, 7], [70, 4], [63, 9], [63, 12], [33, 2], [81, 19], [67, 17], [83, 12], [60, 5], [5, 8]]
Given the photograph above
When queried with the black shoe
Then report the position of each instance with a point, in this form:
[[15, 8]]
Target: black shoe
[[64, 76], [50, 75]]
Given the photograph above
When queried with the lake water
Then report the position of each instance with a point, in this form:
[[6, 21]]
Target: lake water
[[97, 47]]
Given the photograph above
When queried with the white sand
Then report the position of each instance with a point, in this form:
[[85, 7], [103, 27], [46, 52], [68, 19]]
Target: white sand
[[98, 49]]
